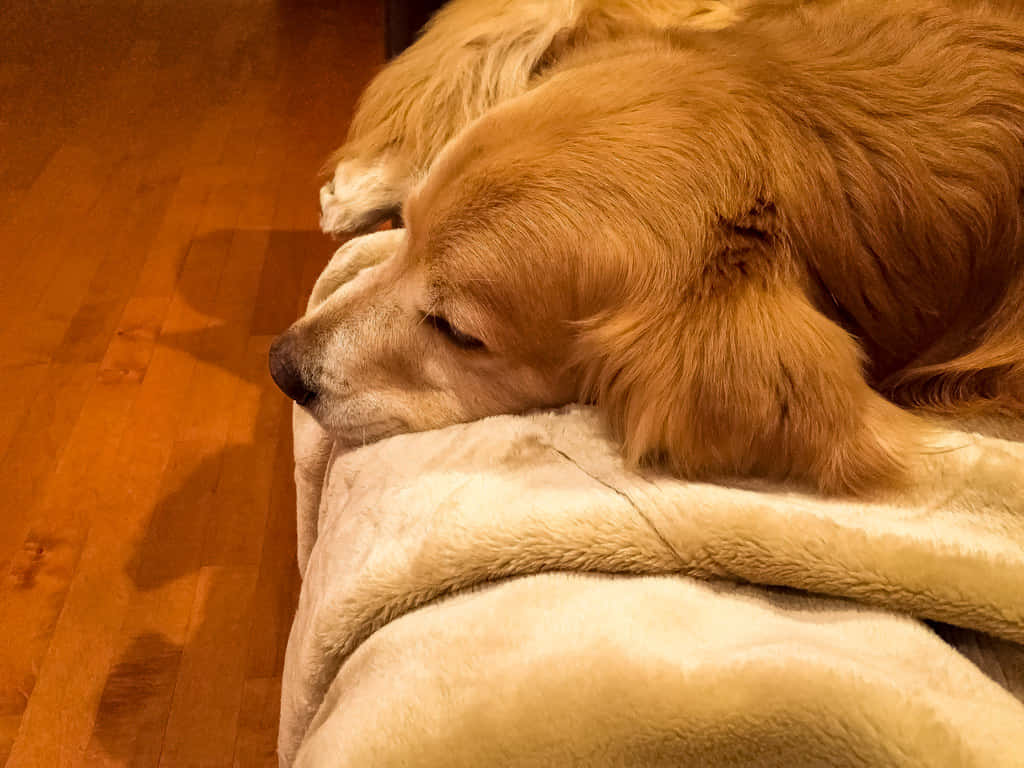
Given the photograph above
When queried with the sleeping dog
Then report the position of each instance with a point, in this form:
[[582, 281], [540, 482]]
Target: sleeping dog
[[746, 245]]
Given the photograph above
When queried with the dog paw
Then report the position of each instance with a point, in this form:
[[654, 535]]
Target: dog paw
[[360, 196]]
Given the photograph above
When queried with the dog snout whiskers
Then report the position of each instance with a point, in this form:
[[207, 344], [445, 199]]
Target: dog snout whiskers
[[286, 371]]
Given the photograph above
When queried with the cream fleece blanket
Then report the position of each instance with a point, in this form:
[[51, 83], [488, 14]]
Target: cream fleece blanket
[[425, 636]]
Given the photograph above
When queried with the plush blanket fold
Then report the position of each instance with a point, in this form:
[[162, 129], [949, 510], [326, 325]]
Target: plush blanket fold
[[582, 669], [598, 671]]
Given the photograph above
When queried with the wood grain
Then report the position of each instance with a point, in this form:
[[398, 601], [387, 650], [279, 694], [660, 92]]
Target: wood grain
[[157, 229]]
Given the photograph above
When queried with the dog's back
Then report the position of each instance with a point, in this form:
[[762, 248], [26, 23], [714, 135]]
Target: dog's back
[[911, 122]]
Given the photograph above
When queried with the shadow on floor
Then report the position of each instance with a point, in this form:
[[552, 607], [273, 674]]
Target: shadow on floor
[[222, 538]]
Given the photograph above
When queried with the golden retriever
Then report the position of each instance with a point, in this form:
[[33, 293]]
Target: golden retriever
[[730, 240]]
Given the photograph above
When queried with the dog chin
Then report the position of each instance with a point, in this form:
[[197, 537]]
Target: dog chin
[[350, 436]]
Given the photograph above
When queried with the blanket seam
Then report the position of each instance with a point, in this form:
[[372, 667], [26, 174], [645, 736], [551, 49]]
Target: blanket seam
[[636, 507]]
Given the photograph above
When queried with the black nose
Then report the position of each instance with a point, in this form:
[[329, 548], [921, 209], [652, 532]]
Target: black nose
[[284, 368]]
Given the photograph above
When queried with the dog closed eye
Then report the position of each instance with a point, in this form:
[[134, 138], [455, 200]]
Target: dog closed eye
[[452, 334]]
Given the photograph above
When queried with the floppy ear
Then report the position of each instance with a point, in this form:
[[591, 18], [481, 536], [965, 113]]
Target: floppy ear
[[592, 26], [743, 376]]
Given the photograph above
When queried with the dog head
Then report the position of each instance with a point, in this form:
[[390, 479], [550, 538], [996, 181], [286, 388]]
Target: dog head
[[399, 339], [550, 257]]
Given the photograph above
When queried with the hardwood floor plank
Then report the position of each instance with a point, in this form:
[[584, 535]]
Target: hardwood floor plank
[[8, 731], [37, 572], [277, 588], [134, 703], [63, 193], [18, 388], [38, 444], [88, 332], [256, 743], [208, 695], [234, 533]]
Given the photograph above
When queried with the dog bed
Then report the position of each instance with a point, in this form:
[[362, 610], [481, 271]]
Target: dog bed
[[507, 593]]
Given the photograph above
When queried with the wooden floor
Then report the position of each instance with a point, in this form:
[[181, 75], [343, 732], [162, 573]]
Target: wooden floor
[[158, 165]]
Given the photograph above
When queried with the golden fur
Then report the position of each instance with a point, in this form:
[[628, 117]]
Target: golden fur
[[472, 55], [725, 239]]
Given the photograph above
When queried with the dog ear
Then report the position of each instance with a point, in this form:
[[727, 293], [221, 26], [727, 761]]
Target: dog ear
[[563, 41], [743, 376], [593, 26]]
